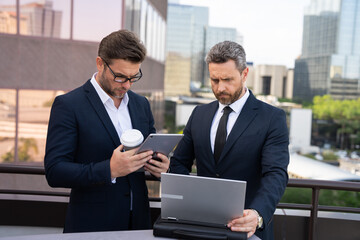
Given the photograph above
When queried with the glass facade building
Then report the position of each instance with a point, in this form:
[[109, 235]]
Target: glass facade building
[[330, 60], [49, 47], [214, 35], [189, 37], [185, 47]]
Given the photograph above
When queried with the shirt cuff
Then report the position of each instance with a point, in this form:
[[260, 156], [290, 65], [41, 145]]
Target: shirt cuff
[[113, 180]]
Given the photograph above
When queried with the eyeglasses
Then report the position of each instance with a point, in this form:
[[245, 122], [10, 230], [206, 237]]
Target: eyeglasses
[[122, 78]]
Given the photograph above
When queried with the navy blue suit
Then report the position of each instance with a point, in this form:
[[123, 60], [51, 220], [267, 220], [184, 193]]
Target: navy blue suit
[[256, 151], [81, 139]]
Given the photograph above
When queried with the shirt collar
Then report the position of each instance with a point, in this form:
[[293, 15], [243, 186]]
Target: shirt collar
[[103, 95], [238, 104]]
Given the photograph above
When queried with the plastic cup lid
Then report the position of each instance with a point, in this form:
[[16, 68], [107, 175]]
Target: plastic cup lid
[[131, 138]]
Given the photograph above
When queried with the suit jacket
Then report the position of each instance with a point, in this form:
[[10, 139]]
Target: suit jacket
[[256, 151], [81, 139]]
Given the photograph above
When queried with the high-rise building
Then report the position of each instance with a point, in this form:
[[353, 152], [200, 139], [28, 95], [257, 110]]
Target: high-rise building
[[185, 47], [189, 37], [330, 59], [214, 35]]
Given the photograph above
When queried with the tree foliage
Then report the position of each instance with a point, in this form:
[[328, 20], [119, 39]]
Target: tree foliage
[[326, 197], [344, 112], [24, 151]]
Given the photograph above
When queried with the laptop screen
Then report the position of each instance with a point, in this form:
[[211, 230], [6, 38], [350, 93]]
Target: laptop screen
[[201, 199]]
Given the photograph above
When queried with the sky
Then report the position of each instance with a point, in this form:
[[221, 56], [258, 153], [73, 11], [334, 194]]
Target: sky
[[272, 30]]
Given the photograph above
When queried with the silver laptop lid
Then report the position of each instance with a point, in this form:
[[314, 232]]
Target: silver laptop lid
[[201, 199]]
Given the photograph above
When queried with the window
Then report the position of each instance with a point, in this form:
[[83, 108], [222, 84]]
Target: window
[[45, 18], [266, 83], [34, 112], [7, 124]]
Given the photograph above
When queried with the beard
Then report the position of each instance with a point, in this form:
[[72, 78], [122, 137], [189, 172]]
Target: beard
[[226, 98], [106, 86]]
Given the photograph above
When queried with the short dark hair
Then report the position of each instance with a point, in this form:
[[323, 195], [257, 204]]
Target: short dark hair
[[122, 44], [225, 51]]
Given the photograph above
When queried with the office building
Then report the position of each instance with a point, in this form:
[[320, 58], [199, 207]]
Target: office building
[[185, 47], [275, 80], [8, 21], [214, 35], [49, 47], [189, 37], [330, 59], [39, 18]]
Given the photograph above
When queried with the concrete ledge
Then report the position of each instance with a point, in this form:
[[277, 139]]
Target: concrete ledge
[[10, 231]]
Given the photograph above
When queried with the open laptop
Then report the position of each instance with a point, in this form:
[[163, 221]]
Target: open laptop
[[202, 200]]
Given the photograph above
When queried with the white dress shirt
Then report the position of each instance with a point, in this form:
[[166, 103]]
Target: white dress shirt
[[236, 110], [120, 117]]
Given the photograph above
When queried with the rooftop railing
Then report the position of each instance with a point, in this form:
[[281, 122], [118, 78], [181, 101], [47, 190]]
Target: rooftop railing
[[314, 207]]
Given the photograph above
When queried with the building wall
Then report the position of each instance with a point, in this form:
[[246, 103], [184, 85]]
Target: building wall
[[311, 77], [289, 84], [250, 80], [161, 6], [214, 35], [46, 63], [144, 18], [37, 66], [278, 74], [177, 75], [330, 60], [300, 127], [185, 47], [189, 38], [40, 19]]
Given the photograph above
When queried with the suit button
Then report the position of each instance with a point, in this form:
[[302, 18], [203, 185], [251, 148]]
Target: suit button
[[217, 175]]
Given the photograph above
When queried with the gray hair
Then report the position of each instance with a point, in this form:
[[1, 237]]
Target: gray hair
[[225, 51]]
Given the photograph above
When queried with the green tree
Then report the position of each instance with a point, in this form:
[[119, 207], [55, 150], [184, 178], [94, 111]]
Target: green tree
[[346, 113], [326, 197], [28, 144]]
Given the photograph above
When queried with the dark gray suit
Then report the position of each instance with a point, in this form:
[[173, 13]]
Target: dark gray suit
[[81, 139], [256, 151]]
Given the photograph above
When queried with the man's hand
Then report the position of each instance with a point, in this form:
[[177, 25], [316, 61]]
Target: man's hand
[[156, 167], [124, 163], [247, 223]]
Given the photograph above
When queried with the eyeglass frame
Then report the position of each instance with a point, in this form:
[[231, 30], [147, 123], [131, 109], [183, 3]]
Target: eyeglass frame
[[131, 79]]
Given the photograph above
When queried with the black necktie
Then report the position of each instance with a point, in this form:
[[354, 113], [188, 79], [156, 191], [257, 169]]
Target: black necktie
[[221, 134]]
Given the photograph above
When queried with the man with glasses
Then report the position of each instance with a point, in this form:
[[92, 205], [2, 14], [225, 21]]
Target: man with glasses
[[83, 149]]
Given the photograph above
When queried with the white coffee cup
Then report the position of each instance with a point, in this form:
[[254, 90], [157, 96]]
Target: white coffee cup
[[131, 138]]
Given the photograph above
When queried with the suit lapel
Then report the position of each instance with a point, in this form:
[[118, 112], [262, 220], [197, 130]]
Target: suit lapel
[[134, 115], [99, 108], [246, 116]]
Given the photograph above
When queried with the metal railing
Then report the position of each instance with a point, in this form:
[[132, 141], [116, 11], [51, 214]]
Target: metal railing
[[314, 207]]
